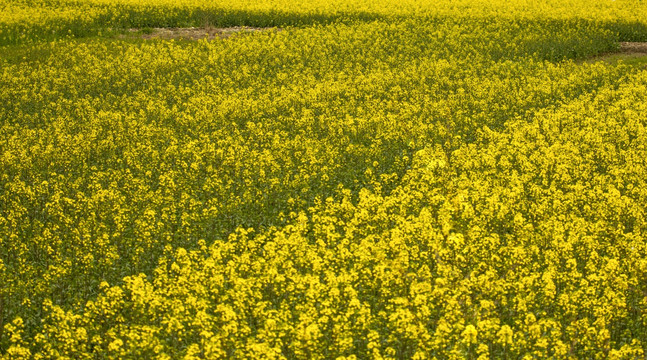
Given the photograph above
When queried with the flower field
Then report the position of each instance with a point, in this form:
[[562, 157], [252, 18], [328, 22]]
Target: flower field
[[363, 179]]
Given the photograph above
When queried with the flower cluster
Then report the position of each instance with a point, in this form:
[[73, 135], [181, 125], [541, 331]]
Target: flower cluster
[[455, 183], [24, 21]]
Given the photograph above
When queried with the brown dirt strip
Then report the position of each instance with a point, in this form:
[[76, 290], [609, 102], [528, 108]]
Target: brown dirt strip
[[633, 48], [628, 51], [193, 33]]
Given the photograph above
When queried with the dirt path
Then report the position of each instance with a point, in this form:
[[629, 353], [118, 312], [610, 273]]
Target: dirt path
[[193, 33], [633, 48], [631, 52]]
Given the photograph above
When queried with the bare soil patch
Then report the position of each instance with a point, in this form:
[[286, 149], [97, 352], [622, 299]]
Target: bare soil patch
[[634, 48], [632, 52], [194, 33]]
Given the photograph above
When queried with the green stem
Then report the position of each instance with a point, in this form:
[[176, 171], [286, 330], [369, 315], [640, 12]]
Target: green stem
[[1, 318]]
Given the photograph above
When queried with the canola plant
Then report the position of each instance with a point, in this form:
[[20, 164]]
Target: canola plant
[[364, 179]]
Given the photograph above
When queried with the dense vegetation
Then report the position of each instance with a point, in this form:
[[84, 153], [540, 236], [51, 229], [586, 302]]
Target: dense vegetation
[[365, 179]]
